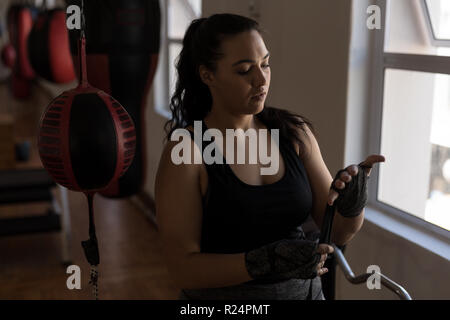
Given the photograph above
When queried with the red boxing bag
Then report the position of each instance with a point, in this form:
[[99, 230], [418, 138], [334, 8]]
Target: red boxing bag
[[9, 55], [49, 49], [123, 39], [20, 22]]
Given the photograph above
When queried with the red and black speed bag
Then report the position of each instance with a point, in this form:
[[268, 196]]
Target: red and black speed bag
[[86, 138], [49, 49], [123, 40]]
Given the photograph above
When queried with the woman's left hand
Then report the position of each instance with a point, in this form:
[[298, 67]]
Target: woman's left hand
[[352, 170]]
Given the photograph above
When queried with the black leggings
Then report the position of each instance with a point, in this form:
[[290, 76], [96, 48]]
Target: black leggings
[[293, 289]]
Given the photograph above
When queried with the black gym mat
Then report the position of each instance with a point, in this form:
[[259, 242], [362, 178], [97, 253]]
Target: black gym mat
[[34, 224], [20, 186], [24, 179]]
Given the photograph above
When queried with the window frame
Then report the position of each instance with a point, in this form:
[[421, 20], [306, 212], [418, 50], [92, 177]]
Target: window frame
[[434, 40], [381, 61], [162, 76]]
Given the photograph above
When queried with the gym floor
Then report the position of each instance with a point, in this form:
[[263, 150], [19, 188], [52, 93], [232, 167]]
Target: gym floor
[[130, 267], [131, 264]]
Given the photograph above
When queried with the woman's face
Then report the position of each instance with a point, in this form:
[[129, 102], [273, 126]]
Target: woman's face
[[241, 73]]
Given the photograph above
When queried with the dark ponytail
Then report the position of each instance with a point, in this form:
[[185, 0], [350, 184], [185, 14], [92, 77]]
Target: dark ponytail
[[192, 99]]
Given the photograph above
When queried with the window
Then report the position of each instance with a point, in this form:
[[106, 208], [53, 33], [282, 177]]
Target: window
[[438, 21], [412, 111], [176, 17]]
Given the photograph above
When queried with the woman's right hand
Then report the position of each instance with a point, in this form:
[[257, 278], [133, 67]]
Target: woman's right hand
[[287, 259], [323, 249]]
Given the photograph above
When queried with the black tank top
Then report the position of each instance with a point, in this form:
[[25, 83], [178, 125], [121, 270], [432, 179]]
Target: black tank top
[[238, 217]]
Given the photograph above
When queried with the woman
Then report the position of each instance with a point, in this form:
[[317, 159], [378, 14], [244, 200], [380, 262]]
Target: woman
[[227, 231]]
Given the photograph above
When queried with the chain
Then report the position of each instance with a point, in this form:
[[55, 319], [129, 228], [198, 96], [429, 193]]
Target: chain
[[94, 281]]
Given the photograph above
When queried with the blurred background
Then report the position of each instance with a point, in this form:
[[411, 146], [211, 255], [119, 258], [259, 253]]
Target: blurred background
[[368, 89]]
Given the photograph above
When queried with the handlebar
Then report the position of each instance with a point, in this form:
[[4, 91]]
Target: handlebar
[[385, 281]]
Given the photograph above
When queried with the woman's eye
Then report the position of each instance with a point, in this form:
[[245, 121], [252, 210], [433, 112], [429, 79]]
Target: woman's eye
[[265, 66], [244, 72]]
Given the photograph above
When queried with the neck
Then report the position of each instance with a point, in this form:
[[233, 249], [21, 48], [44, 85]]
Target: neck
[[222, 120]]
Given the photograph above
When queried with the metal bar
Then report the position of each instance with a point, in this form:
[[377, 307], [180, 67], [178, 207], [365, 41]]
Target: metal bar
[[385, 281]]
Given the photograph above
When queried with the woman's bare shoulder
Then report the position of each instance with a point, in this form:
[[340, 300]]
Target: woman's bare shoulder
[[170, 167], [178, 203], [307, 137]]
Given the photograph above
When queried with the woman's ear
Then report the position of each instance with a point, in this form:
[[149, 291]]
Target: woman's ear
[[206, 75]]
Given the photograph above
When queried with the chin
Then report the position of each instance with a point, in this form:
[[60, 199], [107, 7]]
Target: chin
[[252, 108], [259, 108]]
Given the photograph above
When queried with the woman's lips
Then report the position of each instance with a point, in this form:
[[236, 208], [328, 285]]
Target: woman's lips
[[259, 96]]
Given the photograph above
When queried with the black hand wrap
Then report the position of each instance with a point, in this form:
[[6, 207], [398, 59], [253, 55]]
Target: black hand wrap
[[353, 198], [284, 259]]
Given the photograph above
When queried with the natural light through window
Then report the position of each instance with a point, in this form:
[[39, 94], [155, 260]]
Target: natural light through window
[[415, 127], [440, 18], [180, 15], [437, 208]]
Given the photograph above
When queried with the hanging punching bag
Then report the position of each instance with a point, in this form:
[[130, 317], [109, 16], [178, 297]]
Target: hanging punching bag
[[123, 39], [20, 22], [49, 49], [86, 138], [86, 142], [8, 55]]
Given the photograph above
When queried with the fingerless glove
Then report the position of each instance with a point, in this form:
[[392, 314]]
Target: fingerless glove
[[283, 259], [353, 198]]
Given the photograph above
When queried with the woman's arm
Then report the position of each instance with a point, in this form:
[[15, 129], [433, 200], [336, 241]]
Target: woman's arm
[[320, 181], [179, 217]]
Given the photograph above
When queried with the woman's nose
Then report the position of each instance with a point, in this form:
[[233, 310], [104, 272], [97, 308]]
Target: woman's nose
[[260, 78]]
